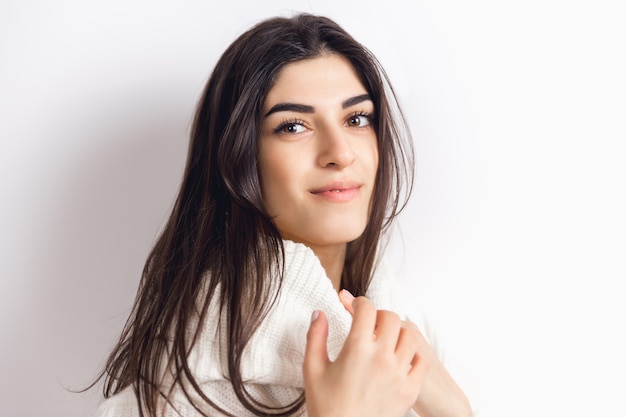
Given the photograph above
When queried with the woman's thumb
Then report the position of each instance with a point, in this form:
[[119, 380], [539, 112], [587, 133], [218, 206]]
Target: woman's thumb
[[316, 352]]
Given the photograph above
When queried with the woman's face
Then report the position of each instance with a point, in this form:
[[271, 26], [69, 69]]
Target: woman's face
[[318, 152]]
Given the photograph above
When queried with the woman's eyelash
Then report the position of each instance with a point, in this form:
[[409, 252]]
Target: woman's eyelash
[[292, 122], [362, 114], [287, 122], [367, 115]]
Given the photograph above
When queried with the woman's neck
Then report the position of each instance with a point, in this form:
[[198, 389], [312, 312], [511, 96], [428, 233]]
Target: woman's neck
[[332, 259]]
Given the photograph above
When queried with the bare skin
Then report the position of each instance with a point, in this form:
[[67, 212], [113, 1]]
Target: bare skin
[[378, 372], [318, 157], [439, 396]]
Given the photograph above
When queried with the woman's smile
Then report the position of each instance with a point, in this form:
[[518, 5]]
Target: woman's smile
[[338, 192]]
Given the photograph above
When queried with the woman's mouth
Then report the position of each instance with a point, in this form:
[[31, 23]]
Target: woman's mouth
[[340, 192]]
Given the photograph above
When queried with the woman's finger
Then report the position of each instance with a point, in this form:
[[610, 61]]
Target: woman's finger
[[363, 320], [346, 299], [316, 352], [406, 347], [387, 330]]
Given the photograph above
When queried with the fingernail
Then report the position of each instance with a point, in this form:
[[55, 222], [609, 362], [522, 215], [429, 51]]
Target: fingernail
[[314, 315], [347, 295]]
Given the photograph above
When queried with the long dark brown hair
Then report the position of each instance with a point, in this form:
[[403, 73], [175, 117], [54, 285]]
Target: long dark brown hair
[[219, 239]]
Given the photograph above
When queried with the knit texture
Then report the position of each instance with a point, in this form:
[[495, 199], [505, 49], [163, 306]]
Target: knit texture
[[272, 361]]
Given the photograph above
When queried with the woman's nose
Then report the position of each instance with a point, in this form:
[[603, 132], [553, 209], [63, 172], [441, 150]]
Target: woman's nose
[[334, 148]]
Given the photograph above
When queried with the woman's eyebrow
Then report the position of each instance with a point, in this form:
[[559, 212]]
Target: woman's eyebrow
[[298, 108], [304, 108], [355, 100]]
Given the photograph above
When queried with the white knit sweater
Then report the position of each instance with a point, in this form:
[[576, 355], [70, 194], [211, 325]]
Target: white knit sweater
[[272, 362]]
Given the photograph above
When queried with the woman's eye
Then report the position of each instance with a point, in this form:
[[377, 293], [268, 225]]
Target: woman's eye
[[291, 128], [359, 120]]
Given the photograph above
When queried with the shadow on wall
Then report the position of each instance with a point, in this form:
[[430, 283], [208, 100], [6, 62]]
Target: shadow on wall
[[104, 211]]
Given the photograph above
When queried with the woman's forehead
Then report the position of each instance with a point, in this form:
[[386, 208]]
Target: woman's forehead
[[325, 79]]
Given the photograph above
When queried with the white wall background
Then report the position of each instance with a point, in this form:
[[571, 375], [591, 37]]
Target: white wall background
[[514, 243]]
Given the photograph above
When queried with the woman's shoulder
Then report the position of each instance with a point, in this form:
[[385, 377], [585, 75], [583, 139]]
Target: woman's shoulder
[[122, 404], [384, 288]]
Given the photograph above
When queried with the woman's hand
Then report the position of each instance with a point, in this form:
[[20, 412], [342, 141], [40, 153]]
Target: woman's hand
[[378, 372], [440, 396]]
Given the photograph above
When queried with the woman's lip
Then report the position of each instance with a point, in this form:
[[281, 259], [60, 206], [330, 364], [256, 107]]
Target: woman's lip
[[338, 192], [338, 186]]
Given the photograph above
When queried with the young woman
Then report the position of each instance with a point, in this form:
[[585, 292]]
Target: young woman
[[297, 165]]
